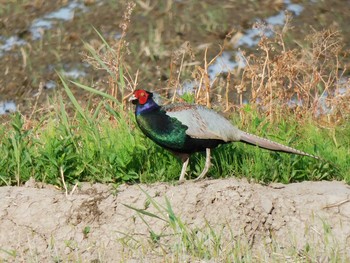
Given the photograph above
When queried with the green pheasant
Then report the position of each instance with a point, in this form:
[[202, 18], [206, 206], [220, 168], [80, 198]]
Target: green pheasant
[[184, 129]]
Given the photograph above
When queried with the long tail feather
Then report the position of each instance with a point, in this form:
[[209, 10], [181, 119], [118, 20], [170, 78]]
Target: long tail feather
[[271, 145]]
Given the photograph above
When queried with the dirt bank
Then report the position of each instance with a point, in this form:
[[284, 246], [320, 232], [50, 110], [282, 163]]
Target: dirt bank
[[41, 223]]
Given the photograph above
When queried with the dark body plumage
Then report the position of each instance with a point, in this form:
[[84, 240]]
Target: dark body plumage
[[169, 132], [188, 128]]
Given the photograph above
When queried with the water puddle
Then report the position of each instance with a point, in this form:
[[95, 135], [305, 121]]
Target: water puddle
[[50, 84], [65, 13], [9, 43], [222, 64], [325, 106], [7, 107], [74, 73]]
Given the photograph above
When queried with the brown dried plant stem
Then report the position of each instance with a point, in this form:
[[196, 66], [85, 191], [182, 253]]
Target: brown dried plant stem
[[205, 78], [122, 44]]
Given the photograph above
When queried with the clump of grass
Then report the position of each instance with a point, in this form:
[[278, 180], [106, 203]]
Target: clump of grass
[[182, 242], [172, 239], [17, 153]]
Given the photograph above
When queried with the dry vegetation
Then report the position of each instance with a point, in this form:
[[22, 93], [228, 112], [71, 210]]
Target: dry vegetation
[[307, 79], [302, 75]]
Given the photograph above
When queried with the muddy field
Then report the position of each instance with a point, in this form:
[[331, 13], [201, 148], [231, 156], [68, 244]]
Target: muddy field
[[39, 39], [39, 223]]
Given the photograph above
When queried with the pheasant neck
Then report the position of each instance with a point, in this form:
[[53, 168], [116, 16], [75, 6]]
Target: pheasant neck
[[150, 105]]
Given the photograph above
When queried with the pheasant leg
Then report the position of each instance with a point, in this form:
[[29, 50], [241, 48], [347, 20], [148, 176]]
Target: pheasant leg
[[183, 171], [207, 165]]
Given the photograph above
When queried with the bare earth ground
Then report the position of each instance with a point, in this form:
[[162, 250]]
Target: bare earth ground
[[40, 223]]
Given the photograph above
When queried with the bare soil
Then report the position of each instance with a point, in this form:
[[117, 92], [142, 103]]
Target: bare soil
[[41, 223]]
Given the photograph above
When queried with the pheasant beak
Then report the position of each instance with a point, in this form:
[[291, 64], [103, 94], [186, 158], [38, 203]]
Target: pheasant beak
[[133, 99]]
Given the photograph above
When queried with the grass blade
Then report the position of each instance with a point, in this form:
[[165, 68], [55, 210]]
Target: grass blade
[[72, 98], [141, 211], [95, 91]]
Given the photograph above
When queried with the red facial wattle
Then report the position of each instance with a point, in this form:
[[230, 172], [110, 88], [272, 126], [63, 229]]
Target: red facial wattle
[[142, 96]]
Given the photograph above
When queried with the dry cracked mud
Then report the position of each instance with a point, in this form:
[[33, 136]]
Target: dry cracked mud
[[94, 223]]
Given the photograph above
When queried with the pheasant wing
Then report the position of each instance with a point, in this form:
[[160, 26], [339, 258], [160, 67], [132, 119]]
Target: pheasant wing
[[203, 123]]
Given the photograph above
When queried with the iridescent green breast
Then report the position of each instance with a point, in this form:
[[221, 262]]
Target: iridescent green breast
[[166, 131]]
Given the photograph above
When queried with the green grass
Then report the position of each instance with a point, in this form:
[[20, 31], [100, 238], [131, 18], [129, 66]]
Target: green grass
[[103, 144]]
